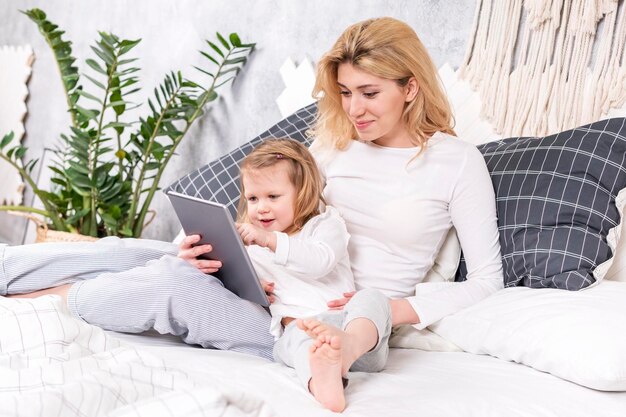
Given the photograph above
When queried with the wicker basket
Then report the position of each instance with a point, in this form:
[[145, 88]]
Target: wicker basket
[[46, 235]]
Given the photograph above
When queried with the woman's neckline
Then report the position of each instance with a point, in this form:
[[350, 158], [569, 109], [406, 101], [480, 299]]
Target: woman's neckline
[[436, 137]]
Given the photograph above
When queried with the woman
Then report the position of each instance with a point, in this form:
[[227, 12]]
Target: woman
[[401, 180], [385, 143]]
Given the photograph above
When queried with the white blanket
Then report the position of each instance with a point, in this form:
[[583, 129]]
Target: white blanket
[[54, 364]]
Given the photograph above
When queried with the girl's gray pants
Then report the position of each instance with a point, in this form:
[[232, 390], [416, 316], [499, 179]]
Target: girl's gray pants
[[133, 285], [292, 348]]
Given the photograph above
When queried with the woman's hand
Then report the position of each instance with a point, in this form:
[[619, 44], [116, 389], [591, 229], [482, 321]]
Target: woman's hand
[[253, 235], [268, 287], [339, 303], [402, 312], [190, 253]]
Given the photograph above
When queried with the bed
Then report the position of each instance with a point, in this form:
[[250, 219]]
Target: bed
[[72, 368], [552, 343]]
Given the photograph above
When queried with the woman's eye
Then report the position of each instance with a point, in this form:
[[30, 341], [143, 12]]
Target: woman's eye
[[345, 93], [371, 95]]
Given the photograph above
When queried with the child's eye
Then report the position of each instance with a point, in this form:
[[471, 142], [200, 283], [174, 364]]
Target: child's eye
[[273, 196], [252, 199]]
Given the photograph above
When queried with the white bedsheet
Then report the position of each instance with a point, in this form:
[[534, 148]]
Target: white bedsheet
[[52, 364], [415, 383]]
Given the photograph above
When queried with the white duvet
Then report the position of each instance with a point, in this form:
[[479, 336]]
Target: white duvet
[[54, 365]]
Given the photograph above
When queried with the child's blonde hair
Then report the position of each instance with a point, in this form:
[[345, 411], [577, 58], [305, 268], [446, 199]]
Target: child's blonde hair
[[301, 169], [390, 49]]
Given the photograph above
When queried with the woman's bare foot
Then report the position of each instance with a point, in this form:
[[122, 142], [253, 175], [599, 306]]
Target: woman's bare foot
[[326, 385], [60, 290]]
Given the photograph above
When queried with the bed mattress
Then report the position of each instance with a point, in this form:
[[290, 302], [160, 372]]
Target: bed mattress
[[414, 383], [52, 364]]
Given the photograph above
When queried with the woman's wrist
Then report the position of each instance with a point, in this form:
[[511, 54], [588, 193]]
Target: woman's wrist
[[402, 312]]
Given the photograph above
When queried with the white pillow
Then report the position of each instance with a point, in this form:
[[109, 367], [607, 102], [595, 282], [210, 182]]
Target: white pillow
[[579, 336], [447, 261], [616, 268]]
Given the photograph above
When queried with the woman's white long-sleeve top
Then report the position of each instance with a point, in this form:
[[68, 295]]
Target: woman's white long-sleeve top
[[399, 207]]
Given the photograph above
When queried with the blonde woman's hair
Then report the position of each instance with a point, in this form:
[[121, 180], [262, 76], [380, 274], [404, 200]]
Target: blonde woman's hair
[[301, 169], [390, 49]]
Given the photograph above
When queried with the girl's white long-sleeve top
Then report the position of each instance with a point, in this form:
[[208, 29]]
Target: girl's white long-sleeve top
[[399, 207], [309, 268]]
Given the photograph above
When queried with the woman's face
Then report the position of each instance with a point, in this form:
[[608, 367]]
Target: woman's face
[[375, 106]]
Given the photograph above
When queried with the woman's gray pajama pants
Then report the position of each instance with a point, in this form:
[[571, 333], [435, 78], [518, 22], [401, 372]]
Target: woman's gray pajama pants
[[133, 285]]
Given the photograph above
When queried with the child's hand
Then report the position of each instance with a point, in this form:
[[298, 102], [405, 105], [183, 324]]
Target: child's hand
[[253, 235], [268, 287]]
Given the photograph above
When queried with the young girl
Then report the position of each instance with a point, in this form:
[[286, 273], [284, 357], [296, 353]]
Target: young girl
[[303, 251], [294, 242]]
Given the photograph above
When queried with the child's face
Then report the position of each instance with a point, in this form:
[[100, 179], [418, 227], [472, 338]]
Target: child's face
[[270, 197]]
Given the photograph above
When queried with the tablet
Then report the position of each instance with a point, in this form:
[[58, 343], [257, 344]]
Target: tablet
[[213, 222]]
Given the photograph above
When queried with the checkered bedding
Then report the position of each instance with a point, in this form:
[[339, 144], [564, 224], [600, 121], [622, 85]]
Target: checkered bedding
[[61, 366]]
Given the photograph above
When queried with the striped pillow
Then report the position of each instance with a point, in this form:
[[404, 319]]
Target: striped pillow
[[556, 203]]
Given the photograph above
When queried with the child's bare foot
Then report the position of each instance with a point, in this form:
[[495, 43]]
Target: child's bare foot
[[325, 358], [350, 351]]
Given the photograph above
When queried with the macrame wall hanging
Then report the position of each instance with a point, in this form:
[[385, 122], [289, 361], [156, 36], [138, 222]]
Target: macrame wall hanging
[[543, 66]]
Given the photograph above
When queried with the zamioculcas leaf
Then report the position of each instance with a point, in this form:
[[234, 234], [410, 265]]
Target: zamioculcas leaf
[[234, 39], [96, 67], [20, 152], [222, 40], [210, 58], [215, 48], [6, 139]]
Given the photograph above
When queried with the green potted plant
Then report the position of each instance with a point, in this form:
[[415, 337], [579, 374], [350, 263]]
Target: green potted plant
[[109, 167]]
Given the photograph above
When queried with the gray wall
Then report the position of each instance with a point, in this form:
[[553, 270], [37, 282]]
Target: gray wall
[[173, 31]]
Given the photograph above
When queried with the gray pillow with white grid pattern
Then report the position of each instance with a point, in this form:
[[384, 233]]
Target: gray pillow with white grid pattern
[[556, 203], [555, 196]]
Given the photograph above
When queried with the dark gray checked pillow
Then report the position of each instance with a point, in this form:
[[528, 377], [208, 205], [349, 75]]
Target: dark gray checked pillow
[[219, 180], [555, 196], [556, 203]]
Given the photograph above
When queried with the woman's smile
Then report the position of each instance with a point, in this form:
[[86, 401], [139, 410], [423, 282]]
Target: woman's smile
[[362, 125]]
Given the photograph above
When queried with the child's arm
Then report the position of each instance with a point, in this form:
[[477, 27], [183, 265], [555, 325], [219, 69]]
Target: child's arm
[[310, 254], [315, 252]]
